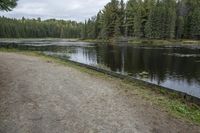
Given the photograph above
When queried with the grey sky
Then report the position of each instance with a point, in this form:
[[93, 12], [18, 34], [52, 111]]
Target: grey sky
[[61, 9]]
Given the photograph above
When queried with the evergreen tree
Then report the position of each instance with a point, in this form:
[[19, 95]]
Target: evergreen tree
[[170, 18], [34, 28], [179, 27], [122, 17], [147, 7], [153, 19], [117, 30], [153, 26], [98, 25], [130, 13], [161, 20], [138, 20], [195, 23], [110, 16], [7, 5]]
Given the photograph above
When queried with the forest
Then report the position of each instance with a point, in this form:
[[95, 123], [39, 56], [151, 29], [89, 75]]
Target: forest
[[36, 28], [151, 19]]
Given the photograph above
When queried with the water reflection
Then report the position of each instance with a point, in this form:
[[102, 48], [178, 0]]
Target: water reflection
[[173, 67], [162, 66]]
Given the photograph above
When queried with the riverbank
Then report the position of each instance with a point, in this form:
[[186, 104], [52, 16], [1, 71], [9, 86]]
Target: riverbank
[[19, 40], [150, 42], [167, 102], [137, 42], [164, 42]]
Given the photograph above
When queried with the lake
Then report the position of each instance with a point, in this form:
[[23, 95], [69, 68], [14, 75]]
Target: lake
[[176, 67]]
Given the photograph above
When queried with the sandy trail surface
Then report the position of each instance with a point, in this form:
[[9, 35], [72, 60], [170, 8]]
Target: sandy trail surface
[[37, 96]]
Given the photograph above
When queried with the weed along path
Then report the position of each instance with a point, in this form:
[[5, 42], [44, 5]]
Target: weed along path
[[41, 96]]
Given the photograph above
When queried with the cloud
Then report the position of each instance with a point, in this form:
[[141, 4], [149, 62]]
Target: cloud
[[60, 9]]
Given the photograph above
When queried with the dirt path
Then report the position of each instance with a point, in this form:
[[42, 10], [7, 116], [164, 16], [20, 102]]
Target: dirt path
[[41, 97]]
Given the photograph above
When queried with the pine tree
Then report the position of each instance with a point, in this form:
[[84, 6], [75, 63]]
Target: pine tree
[[179, 27], [147, 6], [195, 23], [161, 20], [98, 25], [154, 19], [7, 5], [153, 27], [122, 17], [33, 28], [110, 14], [170, 18], [117, 30], [138, 20], [130, 13]]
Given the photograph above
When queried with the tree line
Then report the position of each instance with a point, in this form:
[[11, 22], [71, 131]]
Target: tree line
[[152, 19], [36, 28]]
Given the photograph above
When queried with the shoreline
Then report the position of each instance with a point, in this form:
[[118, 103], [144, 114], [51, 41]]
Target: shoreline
[[169, 101], [150, 42], [134, 42]]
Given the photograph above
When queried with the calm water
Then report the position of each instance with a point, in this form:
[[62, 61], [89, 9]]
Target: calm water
[[177, 68]]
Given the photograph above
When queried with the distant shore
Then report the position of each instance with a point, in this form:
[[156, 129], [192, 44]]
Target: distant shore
[[137, 42], [151, 42]]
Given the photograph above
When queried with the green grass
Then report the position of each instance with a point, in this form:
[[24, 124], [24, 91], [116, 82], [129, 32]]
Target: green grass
[[134, 41], [95, 40], [151, 42], [163, 99], [168, 101], [158, 42]]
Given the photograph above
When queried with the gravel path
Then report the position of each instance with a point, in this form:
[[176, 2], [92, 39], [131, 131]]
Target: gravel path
[[37, 96]]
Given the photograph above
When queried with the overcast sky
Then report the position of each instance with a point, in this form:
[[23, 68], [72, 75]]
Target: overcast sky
[[60, 9]]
